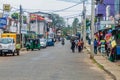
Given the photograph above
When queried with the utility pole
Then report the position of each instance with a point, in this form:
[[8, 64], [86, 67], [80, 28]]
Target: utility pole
[[29, 26], [37, 25], [84, 23], [92, 27], [20, 24]]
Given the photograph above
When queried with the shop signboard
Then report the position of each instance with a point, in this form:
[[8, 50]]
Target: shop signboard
[[3, 23], [6, 7], [107, 22]]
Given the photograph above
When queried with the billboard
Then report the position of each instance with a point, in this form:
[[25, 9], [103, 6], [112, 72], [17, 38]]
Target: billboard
[[34, 17], [3, 23]]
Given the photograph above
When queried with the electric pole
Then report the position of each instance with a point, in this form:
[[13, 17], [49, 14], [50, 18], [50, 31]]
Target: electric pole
[[92, 27], [84, 23], [20, 25]]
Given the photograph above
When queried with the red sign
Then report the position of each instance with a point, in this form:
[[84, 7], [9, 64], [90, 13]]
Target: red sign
[[36, 17]]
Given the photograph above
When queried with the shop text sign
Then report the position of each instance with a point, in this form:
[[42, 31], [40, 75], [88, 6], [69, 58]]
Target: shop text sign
[[6, 7], [3, 23]]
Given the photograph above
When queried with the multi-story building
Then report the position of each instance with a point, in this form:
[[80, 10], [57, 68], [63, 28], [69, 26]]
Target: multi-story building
[[40, 26], [104, 10], [117, 6], [117, 12]]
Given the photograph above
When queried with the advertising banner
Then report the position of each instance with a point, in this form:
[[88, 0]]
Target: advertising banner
[[34, 17], [3, 23]]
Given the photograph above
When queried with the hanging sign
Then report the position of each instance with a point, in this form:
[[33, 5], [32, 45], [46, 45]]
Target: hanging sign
[[3, 23], [6, 7]]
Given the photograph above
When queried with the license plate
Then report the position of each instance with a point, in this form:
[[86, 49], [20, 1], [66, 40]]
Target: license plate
[[4, 50]]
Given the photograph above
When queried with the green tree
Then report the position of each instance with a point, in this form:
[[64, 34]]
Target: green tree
[[24, 19], [15, 15], [88, 23], [57, 21], [66, 30], [75, 25]]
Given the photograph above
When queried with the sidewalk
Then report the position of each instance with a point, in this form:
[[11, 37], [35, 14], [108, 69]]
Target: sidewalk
[[23, 49], [113, 68]]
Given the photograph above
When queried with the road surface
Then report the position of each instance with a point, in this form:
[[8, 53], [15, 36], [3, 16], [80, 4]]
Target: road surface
[[52, 63]]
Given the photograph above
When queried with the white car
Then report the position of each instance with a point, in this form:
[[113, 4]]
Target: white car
[[43, 43], [7, 46]]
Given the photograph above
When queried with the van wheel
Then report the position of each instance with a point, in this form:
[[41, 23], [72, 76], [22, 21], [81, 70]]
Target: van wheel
[[18, 52], [32, 49], [1, 54], [5, 54], [13, 53]]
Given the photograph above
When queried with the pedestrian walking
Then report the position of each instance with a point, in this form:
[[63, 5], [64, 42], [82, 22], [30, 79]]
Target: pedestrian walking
[[79, 46], [95, 46], [76, 43], [73, 45], [82, 44]]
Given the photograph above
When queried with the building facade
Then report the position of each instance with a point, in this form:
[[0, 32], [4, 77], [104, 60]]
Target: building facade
[[104, 10]]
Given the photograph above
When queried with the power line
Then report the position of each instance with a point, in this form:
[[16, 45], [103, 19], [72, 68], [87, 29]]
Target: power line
[[67, 8], [73, 1], [72, 16]]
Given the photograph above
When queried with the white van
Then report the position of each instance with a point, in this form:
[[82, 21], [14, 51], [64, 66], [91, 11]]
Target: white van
[[7, 46]]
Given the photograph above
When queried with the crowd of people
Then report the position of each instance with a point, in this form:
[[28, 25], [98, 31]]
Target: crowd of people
[[77, 43], [105, 48]]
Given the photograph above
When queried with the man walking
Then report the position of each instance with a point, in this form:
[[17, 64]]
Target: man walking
[[79, 46], [95, 46], [73, 46]]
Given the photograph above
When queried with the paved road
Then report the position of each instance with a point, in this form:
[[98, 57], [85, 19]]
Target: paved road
[[52, 63]]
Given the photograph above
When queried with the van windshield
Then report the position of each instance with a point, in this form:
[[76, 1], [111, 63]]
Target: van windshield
[[6, 40]]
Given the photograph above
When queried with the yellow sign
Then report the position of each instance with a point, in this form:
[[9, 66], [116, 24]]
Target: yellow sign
[[113, 43], [6, 7]]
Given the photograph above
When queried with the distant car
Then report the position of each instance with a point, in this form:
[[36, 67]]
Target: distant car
[[43, 43], [50, 42]]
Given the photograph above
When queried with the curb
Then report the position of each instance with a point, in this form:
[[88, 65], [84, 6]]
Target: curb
[[102, 67], [23, 49]]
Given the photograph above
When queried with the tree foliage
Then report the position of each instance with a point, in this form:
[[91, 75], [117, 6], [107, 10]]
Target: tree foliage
[[15, 15], [57, 20], [75, 24]]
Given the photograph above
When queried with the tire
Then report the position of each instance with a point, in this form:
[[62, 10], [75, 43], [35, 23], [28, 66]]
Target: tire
[[5, 54], [18, 52], [32, 49], [1, 54], [13, 53]]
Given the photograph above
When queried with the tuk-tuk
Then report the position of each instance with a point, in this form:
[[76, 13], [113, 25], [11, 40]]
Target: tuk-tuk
[[33, 44], [16, 43]]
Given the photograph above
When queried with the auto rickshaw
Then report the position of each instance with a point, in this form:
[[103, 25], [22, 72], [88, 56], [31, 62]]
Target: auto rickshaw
[[33, 44]]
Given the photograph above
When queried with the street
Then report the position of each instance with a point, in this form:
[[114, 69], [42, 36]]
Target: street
[[53, 63]]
